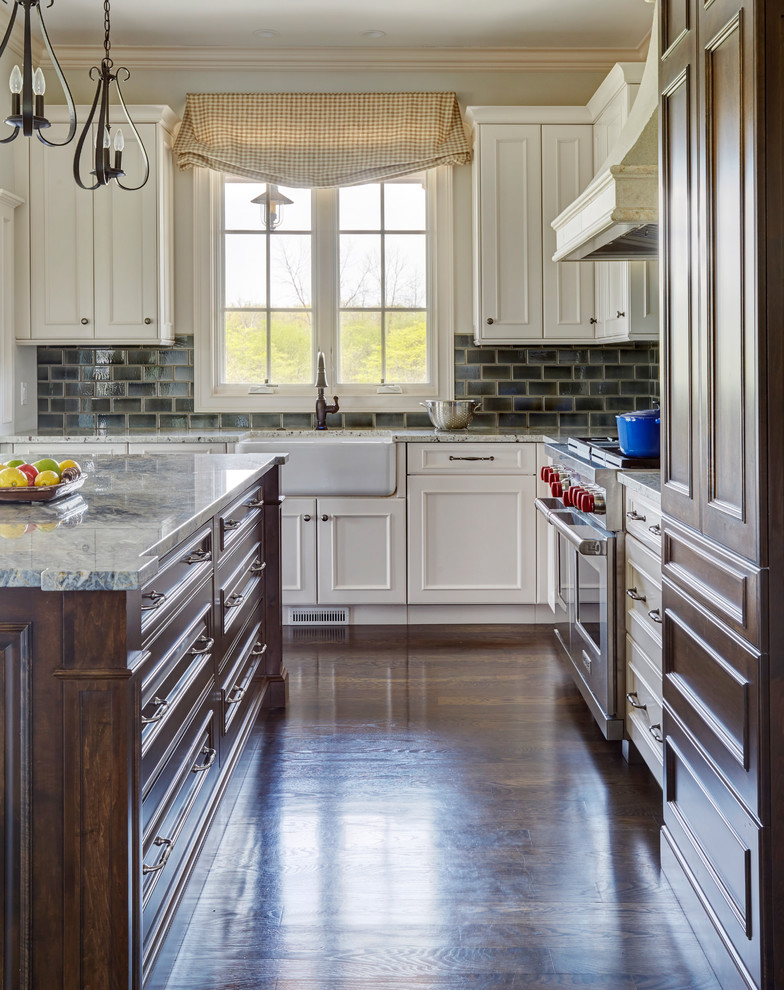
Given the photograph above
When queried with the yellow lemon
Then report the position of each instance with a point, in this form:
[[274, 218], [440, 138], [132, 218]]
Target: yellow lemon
[[12, 477], [67, 464], [46, 478], [12, 531]]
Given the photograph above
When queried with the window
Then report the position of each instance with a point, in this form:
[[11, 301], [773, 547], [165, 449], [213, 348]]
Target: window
[[358, 273]]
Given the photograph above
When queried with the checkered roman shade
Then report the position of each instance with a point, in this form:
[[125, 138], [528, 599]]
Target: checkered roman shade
[[321, 139]]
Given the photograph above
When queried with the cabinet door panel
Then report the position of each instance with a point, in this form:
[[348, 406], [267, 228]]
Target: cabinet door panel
[[361, 551], [509, 224], [472, 540], [298, 548], [567, 168], [126, 266], [61, 245]]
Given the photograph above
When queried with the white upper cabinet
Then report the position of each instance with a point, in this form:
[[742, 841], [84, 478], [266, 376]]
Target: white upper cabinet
[[525, 172], [100, 262]]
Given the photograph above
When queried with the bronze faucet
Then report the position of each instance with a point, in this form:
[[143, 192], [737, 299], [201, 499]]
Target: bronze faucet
[[321, 403]]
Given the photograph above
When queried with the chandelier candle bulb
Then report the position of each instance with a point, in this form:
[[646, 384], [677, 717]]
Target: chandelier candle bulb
[[15, 84], [119, 144], [39, 88]]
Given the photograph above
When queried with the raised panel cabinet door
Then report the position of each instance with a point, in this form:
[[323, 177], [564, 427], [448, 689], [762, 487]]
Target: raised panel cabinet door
[[472, 540], [508, 232], [298, 551], [567, 168], [679, 253], [361, 551], [126, 238], [729, 299], [61, 246]]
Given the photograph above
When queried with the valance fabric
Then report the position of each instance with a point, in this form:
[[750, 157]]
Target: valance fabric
[[321, 139]]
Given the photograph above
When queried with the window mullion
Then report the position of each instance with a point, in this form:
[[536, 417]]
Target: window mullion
[[326, 278]]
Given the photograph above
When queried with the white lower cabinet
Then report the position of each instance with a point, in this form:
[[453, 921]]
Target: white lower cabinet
[[344, 551], [471, 539]]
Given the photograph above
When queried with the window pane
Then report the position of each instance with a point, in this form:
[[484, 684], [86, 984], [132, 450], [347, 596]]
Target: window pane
[[239, 212], [359, 207], [244, 270], [360, 347], [291, 346], [406, 347], [245, 347], [295, 215], [360, 270], [290, 270], [406, 268], [405, 205]]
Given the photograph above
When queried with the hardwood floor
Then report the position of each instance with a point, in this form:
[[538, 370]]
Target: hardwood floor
[[436, 810]]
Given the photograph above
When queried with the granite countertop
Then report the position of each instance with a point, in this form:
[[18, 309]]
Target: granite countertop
[[646, 483], [421, 435], [130, 511]]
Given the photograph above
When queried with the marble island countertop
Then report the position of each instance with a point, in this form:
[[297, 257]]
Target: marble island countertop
[[131, 510]]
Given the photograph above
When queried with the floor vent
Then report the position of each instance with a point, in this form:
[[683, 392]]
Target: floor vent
[[318, 616]]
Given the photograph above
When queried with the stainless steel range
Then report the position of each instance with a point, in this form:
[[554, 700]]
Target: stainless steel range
[[585, 509]]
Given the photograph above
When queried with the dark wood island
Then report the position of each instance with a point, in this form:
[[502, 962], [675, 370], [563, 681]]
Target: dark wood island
[[140, 631]]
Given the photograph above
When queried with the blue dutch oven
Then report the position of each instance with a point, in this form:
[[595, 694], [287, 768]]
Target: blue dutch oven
[[638, 433]]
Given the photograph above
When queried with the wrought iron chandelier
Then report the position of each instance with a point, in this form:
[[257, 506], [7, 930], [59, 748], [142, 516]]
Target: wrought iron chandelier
[[105, 168], [28, 86]]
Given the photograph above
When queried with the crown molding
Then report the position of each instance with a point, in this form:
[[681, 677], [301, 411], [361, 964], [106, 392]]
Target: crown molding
[[359, 59], [16, 41]]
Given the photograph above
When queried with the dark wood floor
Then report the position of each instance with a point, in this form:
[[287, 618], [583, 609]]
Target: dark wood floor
[[437, 811]]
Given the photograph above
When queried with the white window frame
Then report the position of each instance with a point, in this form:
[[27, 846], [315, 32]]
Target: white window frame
[[211, 396]]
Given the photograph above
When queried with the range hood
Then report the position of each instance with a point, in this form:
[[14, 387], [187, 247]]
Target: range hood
[[615, 218]]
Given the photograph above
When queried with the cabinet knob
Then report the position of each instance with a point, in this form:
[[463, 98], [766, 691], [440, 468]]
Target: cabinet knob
[[619, 315], [84, 321], [325, 518], [593, 320], [489, 320], [306, 518], [147, 320]]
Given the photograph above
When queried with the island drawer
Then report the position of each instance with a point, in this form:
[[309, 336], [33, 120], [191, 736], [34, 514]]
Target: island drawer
[[169, 831], [243, 514], [171, 686], [237, 687], [472, 458], [643, 521], [240, 591], [178, 573], [643, 588]]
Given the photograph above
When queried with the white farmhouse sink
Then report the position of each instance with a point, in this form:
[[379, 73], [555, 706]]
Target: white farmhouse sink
[[331, 464]]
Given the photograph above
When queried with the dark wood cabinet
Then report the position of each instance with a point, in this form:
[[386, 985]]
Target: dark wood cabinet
[[123, 715], [722, 142]]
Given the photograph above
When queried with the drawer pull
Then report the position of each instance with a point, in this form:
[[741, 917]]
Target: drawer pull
[[234, 601], [255, 503], [656, 529], [198, 557], [256, 652], [655, 615], [655, 731], [231, 523], [210, 754], [162, 704], [635, 516], [169, 844], [207, 643], [619, 315], [634, 594], [156, 597], [258, 566], [632, 699], [453, 458], [241, 692]]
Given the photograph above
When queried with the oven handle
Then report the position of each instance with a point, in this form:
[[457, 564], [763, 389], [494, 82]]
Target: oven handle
[[588, 548]]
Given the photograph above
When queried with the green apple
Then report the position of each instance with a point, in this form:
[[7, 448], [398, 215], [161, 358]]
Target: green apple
[[46, 464], [15, 463]]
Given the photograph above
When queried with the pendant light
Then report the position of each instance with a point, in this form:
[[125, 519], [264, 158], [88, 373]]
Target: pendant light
[[28, 85], [105, 166], [272, 202]]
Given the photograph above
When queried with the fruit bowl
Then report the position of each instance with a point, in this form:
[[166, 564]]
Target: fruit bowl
[[44, 493]]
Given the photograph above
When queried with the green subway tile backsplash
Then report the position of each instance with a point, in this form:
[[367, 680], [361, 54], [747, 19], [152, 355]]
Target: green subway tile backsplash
[[119, 390]]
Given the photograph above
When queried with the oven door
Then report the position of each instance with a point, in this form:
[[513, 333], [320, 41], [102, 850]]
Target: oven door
[[586, 588]]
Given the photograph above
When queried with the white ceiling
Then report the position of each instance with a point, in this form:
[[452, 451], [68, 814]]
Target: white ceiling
[[556, 24]]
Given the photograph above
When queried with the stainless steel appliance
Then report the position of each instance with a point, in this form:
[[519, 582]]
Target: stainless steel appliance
[[585, 509]]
